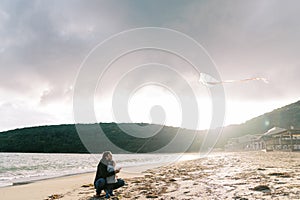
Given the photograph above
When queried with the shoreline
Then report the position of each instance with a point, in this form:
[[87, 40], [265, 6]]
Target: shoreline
[[24, 177], [44, 188], [33, 179], [25, 182], [233, 175]]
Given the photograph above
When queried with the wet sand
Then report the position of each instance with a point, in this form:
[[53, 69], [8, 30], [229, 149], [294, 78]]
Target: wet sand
[[242, 176], [66, 187]]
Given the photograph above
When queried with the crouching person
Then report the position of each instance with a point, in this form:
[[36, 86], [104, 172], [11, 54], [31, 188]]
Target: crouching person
[[106, 172]]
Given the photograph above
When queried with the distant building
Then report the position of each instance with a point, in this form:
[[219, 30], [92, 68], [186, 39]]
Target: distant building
[[282, 139], [245, 143], [279, 139]]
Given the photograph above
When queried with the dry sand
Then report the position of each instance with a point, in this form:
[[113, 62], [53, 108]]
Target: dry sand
[[242, 176]]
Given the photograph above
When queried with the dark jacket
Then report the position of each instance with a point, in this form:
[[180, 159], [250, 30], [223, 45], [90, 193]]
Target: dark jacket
[[102, 171]]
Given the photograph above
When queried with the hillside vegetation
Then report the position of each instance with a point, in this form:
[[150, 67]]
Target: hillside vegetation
[[287, 117], [65, 138]]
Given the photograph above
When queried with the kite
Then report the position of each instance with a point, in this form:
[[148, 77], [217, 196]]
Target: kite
[[208, 80]]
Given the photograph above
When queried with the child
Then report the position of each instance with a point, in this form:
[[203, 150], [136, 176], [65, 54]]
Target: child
[[111, 180]]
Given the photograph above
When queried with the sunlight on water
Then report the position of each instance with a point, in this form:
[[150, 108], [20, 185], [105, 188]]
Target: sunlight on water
[[189, 157]]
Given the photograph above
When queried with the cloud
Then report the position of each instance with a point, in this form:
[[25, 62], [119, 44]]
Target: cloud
[[42, 45], [249, 39], [18, 114], [48, 41], [59, 94]]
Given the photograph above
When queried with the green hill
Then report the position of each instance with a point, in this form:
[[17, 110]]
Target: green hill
[[287, 117], [65, 138]]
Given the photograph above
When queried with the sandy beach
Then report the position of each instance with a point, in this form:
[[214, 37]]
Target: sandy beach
[[67, 187], [243, 175]]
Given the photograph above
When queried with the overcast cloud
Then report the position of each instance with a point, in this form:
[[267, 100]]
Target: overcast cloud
[[42, 44]]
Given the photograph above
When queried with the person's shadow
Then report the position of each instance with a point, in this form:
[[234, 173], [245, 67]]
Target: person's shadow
[[102, 197]]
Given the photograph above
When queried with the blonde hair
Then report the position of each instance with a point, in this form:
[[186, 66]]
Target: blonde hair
[[105, 153]]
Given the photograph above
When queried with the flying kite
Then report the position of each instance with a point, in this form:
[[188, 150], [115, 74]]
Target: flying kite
[[208, 80]]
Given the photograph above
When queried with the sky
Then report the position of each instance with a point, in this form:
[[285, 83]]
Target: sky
[[44, 43]]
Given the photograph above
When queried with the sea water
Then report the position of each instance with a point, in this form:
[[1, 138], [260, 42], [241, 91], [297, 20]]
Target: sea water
[[20, 168]]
